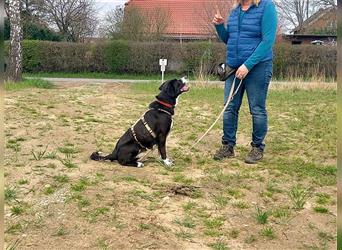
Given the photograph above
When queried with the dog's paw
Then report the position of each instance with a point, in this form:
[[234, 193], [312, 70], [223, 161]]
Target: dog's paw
[[168, 162], [140, 165]]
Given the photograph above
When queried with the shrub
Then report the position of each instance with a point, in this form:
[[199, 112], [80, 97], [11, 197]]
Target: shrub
[[117, 55], [32, 54], [302, 61]]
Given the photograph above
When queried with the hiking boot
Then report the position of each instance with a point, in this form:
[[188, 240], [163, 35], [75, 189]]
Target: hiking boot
[[225, 151], [254, 155]]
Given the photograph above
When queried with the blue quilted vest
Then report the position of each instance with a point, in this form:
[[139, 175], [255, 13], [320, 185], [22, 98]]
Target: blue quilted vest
[[245, 37]]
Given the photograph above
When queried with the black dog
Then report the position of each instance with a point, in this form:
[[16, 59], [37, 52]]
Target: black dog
[[151, 129]]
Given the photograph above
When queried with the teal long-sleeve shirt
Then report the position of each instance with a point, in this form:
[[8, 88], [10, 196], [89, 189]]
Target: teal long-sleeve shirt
[[269, 32]]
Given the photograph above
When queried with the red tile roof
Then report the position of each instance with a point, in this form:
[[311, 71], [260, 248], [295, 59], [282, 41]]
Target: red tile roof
[[189, 18]]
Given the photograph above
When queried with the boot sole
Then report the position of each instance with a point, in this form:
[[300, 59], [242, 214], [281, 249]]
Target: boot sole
[[226, 157], [253, 162]]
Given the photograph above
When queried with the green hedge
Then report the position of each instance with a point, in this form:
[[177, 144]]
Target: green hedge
[[304, 61]]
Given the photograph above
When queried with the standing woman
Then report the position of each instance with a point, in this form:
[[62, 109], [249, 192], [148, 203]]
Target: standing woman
[[250, 35]]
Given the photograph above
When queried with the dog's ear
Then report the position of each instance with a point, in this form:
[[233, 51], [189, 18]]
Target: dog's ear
[[166, 84], [163, 85], [173, 88]]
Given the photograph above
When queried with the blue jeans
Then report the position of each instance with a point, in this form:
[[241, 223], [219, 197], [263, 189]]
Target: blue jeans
[[256, 85]]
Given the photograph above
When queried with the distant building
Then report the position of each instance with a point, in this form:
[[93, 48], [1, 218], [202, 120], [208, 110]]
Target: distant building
[[323, 22], [188, 19], [320, 28]]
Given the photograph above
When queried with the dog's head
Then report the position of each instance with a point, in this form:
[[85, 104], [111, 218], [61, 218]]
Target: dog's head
[[173, 88]]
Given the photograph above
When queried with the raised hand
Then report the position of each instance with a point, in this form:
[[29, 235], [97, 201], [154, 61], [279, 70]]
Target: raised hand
[[218, 19]]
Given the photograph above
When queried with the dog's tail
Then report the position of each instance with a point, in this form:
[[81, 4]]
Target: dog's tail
[[97, 157]]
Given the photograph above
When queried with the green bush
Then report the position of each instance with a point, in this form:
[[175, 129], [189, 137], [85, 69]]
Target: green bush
[[117, 56], [33, 31], [302, 61], [32, 54], [145, 57]]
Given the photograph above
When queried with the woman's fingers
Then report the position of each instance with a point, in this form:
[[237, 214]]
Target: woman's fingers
[[218, 13], [218, 19], [241, 72]]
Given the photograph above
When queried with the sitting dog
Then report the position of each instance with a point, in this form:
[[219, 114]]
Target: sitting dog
[[151, 129]]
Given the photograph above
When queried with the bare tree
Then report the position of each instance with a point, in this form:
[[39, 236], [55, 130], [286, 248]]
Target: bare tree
[[112, 24], [207, 12], [327, 3], [145, 25], [14, 72], [29, 8], [134, 24], [75, 19], [293, 13], [157, 20]]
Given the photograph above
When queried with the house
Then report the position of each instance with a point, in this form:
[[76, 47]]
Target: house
[[320, 28], [186, 19], [323, 22]]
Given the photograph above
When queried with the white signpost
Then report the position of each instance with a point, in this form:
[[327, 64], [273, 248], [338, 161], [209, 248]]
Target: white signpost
[[162, 63]]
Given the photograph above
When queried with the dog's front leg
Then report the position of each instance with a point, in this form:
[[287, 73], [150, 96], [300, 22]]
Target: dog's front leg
[[162, 150]]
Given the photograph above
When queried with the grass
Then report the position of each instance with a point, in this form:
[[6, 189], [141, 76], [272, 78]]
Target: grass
[[298, 196], [268, 232], [143, 226], [281, 213], [214, 223], [184, 235], [60, 231], [80, 185], [38, 154], [299, 159], [23, 181], [240, 204], [10, 193], [186, 222], [323, 199], [49, 190], [17, 210], [61, 178], [182, 179], [12, 229], [219, 245], [67, 161], [29, 83], [94, 215], [221, 200], [320, 209], [325, 236], [261, 216], [234, 233], [250, 239], [189, 206]]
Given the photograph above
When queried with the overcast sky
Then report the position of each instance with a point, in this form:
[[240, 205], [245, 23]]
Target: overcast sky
[[105, 5]]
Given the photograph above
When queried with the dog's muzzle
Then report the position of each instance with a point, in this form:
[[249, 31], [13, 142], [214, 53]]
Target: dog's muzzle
[[185, 87]]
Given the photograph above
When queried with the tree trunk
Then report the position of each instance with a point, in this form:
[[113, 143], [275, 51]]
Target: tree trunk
[[15, 61]]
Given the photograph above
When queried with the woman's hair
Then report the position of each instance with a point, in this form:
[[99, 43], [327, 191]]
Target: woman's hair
[[256, 2]]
